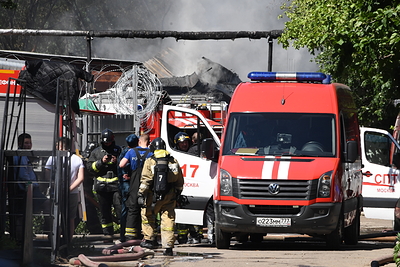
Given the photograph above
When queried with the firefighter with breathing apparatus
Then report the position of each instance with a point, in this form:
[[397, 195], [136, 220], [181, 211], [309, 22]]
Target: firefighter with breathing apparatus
[[161, 185]]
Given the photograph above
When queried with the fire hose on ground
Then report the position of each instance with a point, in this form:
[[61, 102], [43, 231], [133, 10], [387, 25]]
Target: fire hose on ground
[[388, 236], [114, 255], [382, 261]]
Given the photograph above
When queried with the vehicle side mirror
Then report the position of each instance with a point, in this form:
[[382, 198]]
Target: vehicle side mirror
[[351, 153], [207, 148]]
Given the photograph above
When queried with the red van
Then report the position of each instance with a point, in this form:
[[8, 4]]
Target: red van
[[289, 161]]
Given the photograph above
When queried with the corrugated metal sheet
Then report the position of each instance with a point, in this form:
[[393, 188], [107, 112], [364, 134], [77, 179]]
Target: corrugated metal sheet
[[40, 120], [11, 64]]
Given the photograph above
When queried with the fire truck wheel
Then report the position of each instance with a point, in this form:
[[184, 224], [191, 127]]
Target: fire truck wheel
[[256, 238], [335, 238], [222, 239], [352, 232]]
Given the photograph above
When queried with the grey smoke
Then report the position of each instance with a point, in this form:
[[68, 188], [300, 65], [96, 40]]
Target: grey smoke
[[240, 56]]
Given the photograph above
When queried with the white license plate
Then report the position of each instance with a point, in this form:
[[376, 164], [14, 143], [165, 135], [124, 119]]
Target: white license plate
[[274, 222]]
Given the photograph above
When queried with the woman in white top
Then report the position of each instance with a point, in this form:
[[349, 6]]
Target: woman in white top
[[77, 177]]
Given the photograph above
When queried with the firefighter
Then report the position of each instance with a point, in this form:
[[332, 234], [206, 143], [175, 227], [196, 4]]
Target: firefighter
[[187, 234], [159, 196], [102, 163], [182, 141]]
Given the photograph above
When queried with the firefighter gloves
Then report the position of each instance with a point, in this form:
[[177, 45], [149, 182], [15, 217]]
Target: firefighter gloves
[[141, 201]]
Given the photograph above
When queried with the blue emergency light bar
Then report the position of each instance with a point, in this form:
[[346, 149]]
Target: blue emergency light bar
[[290, 76]]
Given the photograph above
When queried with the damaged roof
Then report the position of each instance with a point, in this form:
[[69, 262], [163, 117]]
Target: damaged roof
[[210, 79]]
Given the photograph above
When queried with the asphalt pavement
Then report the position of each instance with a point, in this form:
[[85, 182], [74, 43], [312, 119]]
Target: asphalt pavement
[[371, 229]]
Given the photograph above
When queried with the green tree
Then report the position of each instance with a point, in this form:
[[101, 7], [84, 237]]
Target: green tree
[[358, 43], [8, 4]]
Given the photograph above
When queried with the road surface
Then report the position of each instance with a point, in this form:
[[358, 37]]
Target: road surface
[[285, 251], [277, 251]]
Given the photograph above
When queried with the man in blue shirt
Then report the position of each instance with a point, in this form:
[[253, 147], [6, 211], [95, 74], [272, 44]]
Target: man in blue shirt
[[124, 175], [135, 158], [23, 171]]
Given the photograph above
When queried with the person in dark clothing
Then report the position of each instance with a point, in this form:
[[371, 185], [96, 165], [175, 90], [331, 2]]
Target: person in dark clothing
[[134, 160], [194, 149], [92, 206], [190, 234], [102, 163]]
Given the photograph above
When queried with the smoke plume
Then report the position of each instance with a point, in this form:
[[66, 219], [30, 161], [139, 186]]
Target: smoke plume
[[240, 56]]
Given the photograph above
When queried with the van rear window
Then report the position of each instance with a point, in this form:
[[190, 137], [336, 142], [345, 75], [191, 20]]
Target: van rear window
[[295, 134]]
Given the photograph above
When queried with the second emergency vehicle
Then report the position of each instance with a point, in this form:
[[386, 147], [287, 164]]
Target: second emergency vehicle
[[289, 160], [381, 163]]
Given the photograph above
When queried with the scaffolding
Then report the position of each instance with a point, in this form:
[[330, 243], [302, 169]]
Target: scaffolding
[[49, 222], [39, 204]]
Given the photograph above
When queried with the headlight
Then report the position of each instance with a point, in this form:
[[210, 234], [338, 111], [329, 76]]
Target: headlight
[[324, 185], [225, 183]]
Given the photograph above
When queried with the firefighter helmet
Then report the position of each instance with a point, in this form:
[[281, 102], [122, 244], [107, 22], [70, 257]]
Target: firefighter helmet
[[107, 136], [181, 137], [157, 144]]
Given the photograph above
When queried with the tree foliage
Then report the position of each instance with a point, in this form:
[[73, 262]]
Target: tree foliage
[[8, 4], [358, 43]]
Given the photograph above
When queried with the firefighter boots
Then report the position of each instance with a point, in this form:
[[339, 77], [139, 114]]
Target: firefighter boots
[[168, 252]]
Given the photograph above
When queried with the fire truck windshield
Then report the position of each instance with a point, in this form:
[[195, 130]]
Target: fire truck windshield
[[295, 134]]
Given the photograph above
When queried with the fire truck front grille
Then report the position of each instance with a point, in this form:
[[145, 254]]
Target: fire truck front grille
[[263, 189], [276, 210]]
